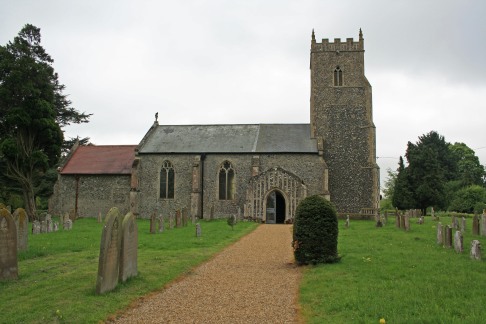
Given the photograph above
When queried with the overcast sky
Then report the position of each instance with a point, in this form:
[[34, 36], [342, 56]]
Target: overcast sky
[[239, 62]]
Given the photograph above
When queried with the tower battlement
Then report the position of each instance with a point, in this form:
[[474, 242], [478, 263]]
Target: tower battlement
[[337, 45]]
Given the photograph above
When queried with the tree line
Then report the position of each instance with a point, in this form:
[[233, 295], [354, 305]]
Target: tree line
[[33, 114], [437, 174]]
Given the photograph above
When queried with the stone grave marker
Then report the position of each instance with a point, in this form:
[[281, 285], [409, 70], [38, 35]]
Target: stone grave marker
[[109, 259], [68, 225], [100, 219], [456, 223], [161, 223], [346, 224], [406, 224], [72, 215], [453, 221], [8, 246], [458, 242], [198, 230], [56, 226], [49, 225], [129, 248], [398, 221], [178, 218], [171, 221], [482, 225], [402, 221], [463, 224], [448, 237], [475, 225], [184, 216], [239, 213], [440, 237], [43, 228], [22, 224], [420, 220], [36, 227], [432, 213], [475, 250], [152, 223]]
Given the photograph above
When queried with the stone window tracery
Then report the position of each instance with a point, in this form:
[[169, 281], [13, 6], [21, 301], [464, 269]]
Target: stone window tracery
[[167, 176], [338, 77], [226, 181]]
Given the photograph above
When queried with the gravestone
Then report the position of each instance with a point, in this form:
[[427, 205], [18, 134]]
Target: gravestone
[[43, 228], [72, 215], [346, 224], [8, 246], [239, 213], [402, 221], [49, 224], [22, 224], [440, 237], [56, 226], [453, 221], [129, 248], [406, 224], [482, 225], [184, 216], [36, 227], [432, 213], [178, 218], [109, 259], [100, 219], [458, 242], [475, 250], [420, 220], [198, 230], [66, 217], [68, 225], [456, 223], [463, 224], [448, 237], [161, 223], [475, 225], [152, 223], [171, 221], [397, 220]]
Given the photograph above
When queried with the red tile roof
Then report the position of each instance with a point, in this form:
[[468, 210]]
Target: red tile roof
[[102, 159]]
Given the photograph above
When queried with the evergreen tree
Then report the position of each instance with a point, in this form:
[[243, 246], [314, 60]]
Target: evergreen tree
[[402, 197], [33, 111]]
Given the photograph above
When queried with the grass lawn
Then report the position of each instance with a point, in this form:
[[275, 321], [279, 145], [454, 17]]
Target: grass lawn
[[403, 277], [57, 275]]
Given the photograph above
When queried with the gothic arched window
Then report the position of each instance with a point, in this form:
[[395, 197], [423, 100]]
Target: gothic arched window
[[226, 181], [338, 77], [167, 181]]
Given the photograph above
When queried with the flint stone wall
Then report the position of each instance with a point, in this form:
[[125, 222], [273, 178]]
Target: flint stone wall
[[95, 193]]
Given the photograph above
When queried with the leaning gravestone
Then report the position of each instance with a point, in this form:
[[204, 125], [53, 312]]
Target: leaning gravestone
[[475, 250], [129, 248], [8, 246], [109, 260], [198, 230], [440, 237], [475, 225], [458, 242], [22, 224]]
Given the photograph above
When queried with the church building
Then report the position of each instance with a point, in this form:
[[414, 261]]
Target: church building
[[263, 171]]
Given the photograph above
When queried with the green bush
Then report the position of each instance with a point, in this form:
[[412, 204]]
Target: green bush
[[315, 231]]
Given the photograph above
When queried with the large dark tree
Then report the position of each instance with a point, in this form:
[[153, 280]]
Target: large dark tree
[[33, 110], [469, 169], [402, 196]]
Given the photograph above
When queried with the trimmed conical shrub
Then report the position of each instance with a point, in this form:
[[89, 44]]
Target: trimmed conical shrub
[[315, 231]]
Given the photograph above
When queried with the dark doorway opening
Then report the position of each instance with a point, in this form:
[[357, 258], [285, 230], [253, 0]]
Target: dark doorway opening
[[280, 202], [275, 212]]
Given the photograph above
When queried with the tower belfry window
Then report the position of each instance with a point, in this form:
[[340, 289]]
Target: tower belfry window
[[338, 77]]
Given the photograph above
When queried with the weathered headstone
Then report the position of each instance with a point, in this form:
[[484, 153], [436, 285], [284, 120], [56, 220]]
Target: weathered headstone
[[109, 259], [420, 220], [171, 221], [68, 225], [129, 248], [402, 221], [458, 242], [453, 221], [178, 218], [56, 226], [475, 250], [432, 213], [482, 226], [198, 230], [463, 224], [49, 225], [36, 227], [22, 224], [398, 220], [448, 237], [161, 223], [43, 228], [65, 218], [475, 225], [239, 213], [440, 237], [455, 225], [406, 224], [346, 224], [152, 223], [72, 215], [8, 246], [100, 219], [184, 216]]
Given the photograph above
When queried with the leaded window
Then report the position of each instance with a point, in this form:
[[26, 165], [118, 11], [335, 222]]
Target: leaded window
[[338, 77], [226, 181], [167, 180]]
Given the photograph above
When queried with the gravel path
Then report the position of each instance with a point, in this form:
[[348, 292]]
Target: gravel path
[[252, 281]]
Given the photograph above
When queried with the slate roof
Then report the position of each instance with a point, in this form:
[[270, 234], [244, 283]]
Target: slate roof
[[253, 138], [101, 159]]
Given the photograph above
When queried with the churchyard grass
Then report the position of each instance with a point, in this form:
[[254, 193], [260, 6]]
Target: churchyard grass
[[403, 277], [57, 275]]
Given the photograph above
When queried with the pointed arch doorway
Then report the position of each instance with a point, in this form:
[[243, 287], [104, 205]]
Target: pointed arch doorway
[[275, 208]]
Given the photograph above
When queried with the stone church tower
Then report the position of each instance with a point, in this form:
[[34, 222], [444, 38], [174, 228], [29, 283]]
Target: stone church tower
[[341, 115]]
